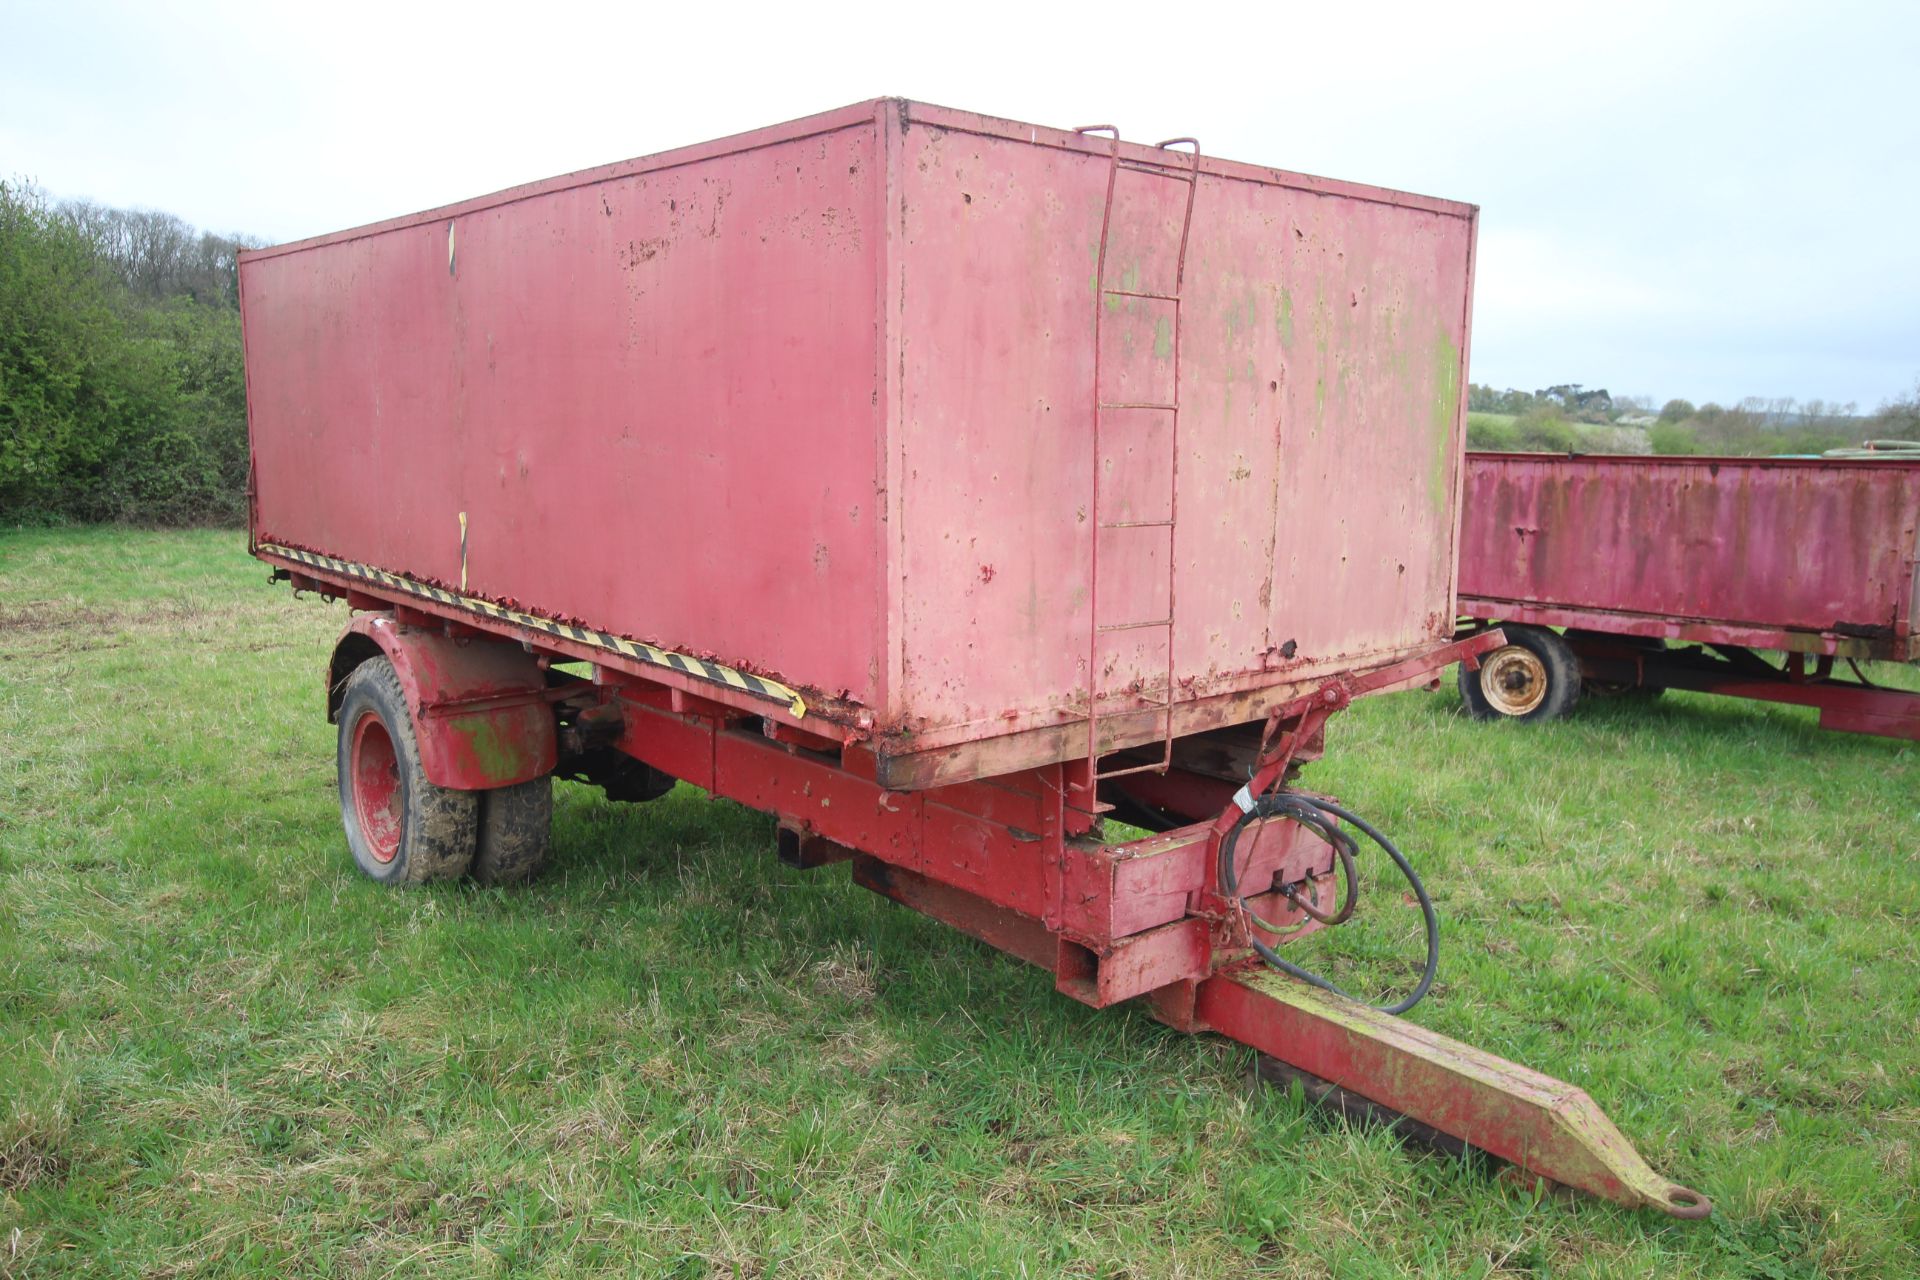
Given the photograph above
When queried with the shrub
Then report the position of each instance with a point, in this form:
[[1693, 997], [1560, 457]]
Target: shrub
[[1491, 431], [1671, 438], [1542, 430], [1899, 418], [112, 407]]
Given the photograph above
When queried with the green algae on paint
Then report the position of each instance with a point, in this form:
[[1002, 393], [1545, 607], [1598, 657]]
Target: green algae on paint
[[1241, 317], [1446, 407], [499, 755], [1283, 317], [1163, 338]]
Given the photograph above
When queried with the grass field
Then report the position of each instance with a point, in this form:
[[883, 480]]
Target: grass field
[[228, 1055]]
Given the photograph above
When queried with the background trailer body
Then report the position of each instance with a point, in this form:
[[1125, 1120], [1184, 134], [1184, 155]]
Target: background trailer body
[[1618, 573]]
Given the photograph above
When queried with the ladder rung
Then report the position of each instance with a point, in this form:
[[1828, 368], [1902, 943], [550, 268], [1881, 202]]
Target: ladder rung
[[1140, 404], [1158, 172], [1134, 293], [1158, 766], [1135, 626], [1138, 524]]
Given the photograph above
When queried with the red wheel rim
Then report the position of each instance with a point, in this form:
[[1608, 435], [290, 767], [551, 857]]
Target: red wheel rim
[[374, 768]]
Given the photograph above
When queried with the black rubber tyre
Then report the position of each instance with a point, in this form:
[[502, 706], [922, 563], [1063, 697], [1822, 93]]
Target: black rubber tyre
[[1534, 677], [401, 828], [515, 823]]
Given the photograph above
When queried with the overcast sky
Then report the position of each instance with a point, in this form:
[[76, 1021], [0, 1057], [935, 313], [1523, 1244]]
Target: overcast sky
[[1710, 201]]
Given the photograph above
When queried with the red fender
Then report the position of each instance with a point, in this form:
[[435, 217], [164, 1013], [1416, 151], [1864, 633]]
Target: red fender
[[479, 706]]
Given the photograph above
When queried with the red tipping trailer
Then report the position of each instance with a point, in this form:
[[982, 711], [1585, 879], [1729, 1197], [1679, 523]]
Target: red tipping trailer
[[939, 484], [1670, 572]]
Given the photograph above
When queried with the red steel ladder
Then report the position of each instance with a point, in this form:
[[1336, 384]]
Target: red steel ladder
[[1142, 426]]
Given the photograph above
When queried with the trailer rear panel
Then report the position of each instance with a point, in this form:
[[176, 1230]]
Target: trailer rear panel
[[821, 401]]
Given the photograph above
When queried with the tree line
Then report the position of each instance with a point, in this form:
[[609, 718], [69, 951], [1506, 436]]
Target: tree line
[[1567, 420], [122, 394]]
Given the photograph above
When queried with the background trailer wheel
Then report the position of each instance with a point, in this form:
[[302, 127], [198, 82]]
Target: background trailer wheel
[[402, 828], [1534, 676]]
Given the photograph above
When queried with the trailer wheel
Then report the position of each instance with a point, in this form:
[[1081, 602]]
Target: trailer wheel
[[402, 829], [514, 827], [1533, 677]]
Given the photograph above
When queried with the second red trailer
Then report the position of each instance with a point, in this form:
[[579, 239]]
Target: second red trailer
[[1616, 573]]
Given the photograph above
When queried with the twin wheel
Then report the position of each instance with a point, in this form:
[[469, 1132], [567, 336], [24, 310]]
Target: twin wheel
[[402, 828]]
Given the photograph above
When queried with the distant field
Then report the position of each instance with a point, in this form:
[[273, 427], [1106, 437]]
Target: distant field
[[228, 1055]]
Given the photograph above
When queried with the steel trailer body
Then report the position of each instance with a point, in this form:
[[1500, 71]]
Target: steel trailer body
[[821, 402], [938, 485], [1640, 558]]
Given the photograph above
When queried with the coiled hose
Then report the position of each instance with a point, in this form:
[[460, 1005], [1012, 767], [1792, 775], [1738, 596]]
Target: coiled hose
[[1318, 816]]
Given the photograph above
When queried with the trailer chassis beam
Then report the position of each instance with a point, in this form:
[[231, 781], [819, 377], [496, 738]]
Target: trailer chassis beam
[[1845, 705]]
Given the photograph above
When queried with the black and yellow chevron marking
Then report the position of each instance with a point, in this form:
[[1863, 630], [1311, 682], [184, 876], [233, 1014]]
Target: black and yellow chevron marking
[[685, 664]]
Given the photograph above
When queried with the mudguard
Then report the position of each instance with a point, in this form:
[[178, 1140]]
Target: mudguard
[[479, 707]]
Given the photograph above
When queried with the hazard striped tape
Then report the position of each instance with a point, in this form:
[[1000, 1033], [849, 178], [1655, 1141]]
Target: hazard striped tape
[[685, 664]]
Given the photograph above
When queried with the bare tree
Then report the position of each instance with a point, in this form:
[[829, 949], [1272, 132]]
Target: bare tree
[[1899, 418], [160, 256]]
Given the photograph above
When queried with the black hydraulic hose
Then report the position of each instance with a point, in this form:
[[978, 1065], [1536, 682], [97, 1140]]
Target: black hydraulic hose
[[1315, 813], [1343, 846]]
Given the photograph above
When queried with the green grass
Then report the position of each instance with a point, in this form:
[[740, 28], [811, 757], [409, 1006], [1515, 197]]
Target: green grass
[[226, 1054]]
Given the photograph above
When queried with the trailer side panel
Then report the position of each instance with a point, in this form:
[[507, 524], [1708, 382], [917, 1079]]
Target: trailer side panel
[[1766, 551], [643, 401]]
